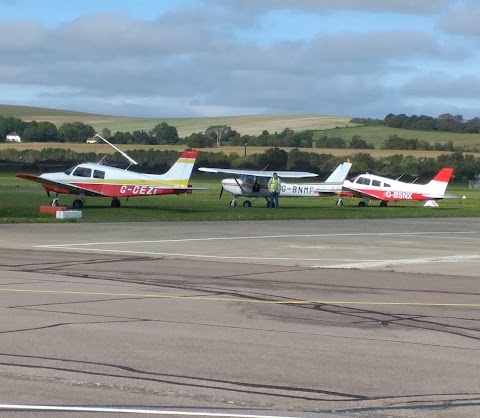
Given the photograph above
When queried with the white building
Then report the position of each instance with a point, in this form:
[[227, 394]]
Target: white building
[[13, 137]]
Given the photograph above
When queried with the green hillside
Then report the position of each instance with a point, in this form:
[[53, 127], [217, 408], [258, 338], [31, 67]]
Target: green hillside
[[245, 125], [330, 126]]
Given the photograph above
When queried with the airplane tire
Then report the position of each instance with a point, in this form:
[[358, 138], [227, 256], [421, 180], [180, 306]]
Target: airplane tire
[[233, 203], [115, 203], [247, 204], [362, 204], [77, 204], [383, 203], [339, 202]]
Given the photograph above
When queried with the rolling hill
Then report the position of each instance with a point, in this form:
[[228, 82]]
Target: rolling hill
[[245, 125]]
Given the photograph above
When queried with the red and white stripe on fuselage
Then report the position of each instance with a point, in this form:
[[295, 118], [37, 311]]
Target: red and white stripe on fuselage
[[116, 190], [386, 189]]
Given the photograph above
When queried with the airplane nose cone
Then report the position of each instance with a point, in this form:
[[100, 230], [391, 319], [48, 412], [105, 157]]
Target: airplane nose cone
[[227, 184]]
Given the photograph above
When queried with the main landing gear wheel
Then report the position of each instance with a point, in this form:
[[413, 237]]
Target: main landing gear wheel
[[55, 202], [115, 203], [233, 203], [362, 204], [247, 204], [77, 204], [383, 203], [339, 202]]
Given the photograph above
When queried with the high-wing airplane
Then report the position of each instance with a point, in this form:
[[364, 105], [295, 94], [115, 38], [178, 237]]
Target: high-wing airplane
[[253, 183], [369, 186], [97, 179]]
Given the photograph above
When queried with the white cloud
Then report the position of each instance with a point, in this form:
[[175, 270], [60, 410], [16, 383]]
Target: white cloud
[[193, 62], [462, 22], [404, 6]]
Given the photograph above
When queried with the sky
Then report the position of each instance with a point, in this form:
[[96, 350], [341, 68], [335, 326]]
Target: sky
[[198, 58]]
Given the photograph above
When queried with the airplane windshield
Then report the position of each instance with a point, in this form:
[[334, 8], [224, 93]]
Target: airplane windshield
[[247, 179], [69, 171]]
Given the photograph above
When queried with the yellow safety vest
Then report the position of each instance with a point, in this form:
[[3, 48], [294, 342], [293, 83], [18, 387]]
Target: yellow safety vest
[[275, 184]]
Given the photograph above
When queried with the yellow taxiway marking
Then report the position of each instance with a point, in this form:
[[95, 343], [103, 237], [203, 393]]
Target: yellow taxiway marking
[[219, 299]]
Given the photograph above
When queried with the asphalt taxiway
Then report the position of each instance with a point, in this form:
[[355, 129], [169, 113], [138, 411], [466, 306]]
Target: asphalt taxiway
[[369, 318]]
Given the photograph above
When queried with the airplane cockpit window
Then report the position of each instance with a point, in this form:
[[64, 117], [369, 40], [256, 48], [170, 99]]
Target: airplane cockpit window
[[82, 172], [248, 179], [376, 183], [363, 180], [386, 185], [97, 174], [69, 171], [353, 179]]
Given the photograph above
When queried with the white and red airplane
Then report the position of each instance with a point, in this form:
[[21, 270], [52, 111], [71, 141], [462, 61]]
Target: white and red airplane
[[369, 186], [254, 183], [97, 179]]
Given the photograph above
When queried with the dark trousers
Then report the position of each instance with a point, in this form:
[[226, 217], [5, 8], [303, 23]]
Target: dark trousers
[[273, 202]]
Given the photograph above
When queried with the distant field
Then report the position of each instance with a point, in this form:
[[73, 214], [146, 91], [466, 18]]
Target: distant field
[[245, 125], [105, 149], [378, 134], [331, 126]]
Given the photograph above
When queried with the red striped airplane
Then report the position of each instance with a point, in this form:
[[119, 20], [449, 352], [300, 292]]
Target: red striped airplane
[[369, 186], [97, 179]]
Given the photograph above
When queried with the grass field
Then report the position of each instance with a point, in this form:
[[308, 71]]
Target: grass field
[[20, 201], [245, 125], [105, 149]]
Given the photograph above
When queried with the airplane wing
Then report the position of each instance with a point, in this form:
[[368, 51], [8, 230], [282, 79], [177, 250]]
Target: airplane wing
[[65, 186], [258, 173], [360, 193], [68, 187]]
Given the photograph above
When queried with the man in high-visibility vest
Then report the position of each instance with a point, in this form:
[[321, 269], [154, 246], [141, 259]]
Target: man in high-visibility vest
[[274, 187]]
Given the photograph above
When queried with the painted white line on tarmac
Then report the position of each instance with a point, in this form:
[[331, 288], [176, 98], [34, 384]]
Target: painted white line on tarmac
[[363, 234], [219, 257], [133, 411], [404, 262]]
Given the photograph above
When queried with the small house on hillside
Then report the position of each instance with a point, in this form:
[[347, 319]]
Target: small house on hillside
[[13, 137]]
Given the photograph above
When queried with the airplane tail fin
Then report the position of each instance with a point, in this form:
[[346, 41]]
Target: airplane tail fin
[[439, 183], [340, 173], [182, 169]]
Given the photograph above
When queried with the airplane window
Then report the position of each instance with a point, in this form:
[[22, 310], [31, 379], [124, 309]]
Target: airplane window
[[69, 171], [97, 174], [353, 179], [363, 180], [249, 179], [376, 183], [82, 172], [386, 185]]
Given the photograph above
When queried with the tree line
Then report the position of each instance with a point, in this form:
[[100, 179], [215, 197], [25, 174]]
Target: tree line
[[444, 122], [165, 134], [155, 161]]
